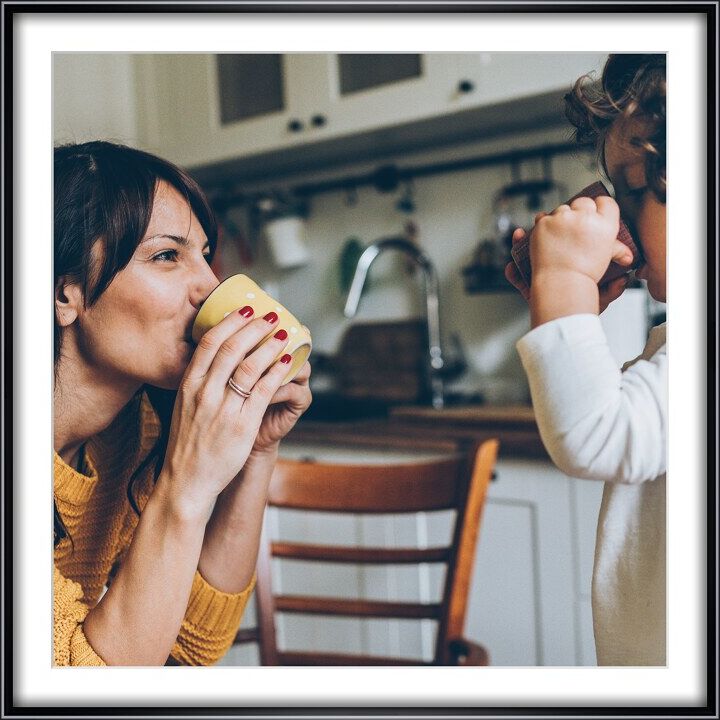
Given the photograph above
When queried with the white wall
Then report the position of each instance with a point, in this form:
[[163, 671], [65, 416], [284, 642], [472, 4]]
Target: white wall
[[453, 212], [94, 97]]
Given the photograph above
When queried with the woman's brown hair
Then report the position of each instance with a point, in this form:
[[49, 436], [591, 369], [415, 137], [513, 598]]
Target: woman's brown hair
[[633, 86], [104, 193]]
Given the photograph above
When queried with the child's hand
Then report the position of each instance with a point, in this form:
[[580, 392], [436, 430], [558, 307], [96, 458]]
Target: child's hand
[[512, 274], [609, 292], [579, 238]]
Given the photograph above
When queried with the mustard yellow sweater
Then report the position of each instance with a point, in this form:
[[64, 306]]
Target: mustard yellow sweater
[[100, 521]]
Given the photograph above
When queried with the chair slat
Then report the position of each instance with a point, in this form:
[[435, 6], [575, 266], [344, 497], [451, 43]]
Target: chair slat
[[308, 658], [373, 555], [408, 488], [458, 483], [360, 608]]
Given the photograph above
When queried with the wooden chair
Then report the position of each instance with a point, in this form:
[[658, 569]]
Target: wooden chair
[[458, 482]]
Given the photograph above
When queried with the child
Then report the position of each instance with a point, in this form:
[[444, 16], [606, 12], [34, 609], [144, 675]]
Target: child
[[597, 421]]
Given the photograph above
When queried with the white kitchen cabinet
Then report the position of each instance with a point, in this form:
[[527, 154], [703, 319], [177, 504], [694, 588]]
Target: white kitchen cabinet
[[181, 99], [531, 589], [188, 114], [181, 113], [501, 76], [530, 596]]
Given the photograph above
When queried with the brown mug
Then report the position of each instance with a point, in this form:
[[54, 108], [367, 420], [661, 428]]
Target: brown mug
[[521, 250]]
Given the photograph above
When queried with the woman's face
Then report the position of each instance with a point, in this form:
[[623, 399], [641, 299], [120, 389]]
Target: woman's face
[[639, 207], [138, 331]]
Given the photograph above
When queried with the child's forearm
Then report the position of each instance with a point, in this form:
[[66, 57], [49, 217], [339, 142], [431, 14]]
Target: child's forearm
[[558, 293]]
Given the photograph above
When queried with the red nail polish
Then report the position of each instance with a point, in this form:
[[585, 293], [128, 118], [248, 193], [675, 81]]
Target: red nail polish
[[286, 358], [271, 317], [281, 335], [247, 311]]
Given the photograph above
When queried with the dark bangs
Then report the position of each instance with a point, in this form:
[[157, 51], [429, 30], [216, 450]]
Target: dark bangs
[[105, 191]]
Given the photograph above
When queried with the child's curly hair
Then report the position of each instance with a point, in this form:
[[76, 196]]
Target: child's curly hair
[[632, 85]]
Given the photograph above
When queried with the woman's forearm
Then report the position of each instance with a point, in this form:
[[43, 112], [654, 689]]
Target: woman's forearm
[[138, 619], [229, 551]]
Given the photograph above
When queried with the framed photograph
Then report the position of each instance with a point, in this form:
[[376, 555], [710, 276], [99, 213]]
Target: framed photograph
[[323, 150]]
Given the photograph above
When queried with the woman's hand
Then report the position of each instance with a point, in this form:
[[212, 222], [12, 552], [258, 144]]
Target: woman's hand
[[609, 292], [286, 407], [213, 427], [230, 546]]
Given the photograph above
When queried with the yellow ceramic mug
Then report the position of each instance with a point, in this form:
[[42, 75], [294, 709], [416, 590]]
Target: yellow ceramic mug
[[236, 292]]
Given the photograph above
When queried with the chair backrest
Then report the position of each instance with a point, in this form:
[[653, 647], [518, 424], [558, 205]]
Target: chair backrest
[[458, 482]]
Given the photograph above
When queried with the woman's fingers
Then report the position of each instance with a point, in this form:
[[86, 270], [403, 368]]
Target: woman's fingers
[[253, 366], [210, 342], [295, 390], [264, 390], [236, 350]]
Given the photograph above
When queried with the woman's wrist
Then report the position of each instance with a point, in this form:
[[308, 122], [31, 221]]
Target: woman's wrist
[[555, 294], [181, 508], [264, 456]]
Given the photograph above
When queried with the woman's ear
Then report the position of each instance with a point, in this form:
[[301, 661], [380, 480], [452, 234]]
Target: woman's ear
[[68, 301]]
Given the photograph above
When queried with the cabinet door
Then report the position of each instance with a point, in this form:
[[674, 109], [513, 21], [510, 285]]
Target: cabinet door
[[202, 108], [498, 77], [370, 91], [522, 600]]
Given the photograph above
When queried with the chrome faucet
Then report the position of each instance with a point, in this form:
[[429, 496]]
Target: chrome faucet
[[435, 358]]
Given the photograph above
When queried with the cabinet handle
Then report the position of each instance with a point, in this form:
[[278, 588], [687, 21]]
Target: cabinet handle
[[493, 476], [295, 126], [318, 120], [466, 86]]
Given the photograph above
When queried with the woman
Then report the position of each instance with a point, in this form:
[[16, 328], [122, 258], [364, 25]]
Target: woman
[[161, 467]]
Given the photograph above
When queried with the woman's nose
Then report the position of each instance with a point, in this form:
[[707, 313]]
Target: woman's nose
[[205, 282]]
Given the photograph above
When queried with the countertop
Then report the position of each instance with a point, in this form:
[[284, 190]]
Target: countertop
[[448, 429]]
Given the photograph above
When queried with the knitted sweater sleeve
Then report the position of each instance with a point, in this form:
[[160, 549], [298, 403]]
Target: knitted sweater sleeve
[[210, 623], [70, 646]]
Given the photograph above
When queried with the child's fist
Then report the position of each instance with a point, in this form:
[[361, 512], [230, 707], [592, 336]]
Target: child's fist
[[580, 237]]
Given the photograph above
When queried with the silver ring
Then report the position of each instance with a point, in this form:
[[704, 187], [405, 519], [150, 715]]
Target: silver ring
[[240, 391]]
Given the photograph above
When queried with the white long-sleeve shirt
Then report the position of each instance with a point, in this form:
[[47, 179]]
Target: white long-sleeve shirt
[[603, 423]]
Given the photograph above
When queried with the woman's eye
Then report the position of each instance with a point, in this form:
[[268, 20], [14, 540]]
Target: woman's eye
[[166, 256]]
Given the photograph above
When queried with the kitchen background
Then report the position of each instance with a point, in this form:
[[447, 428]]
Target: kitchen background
[[308, 159]]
